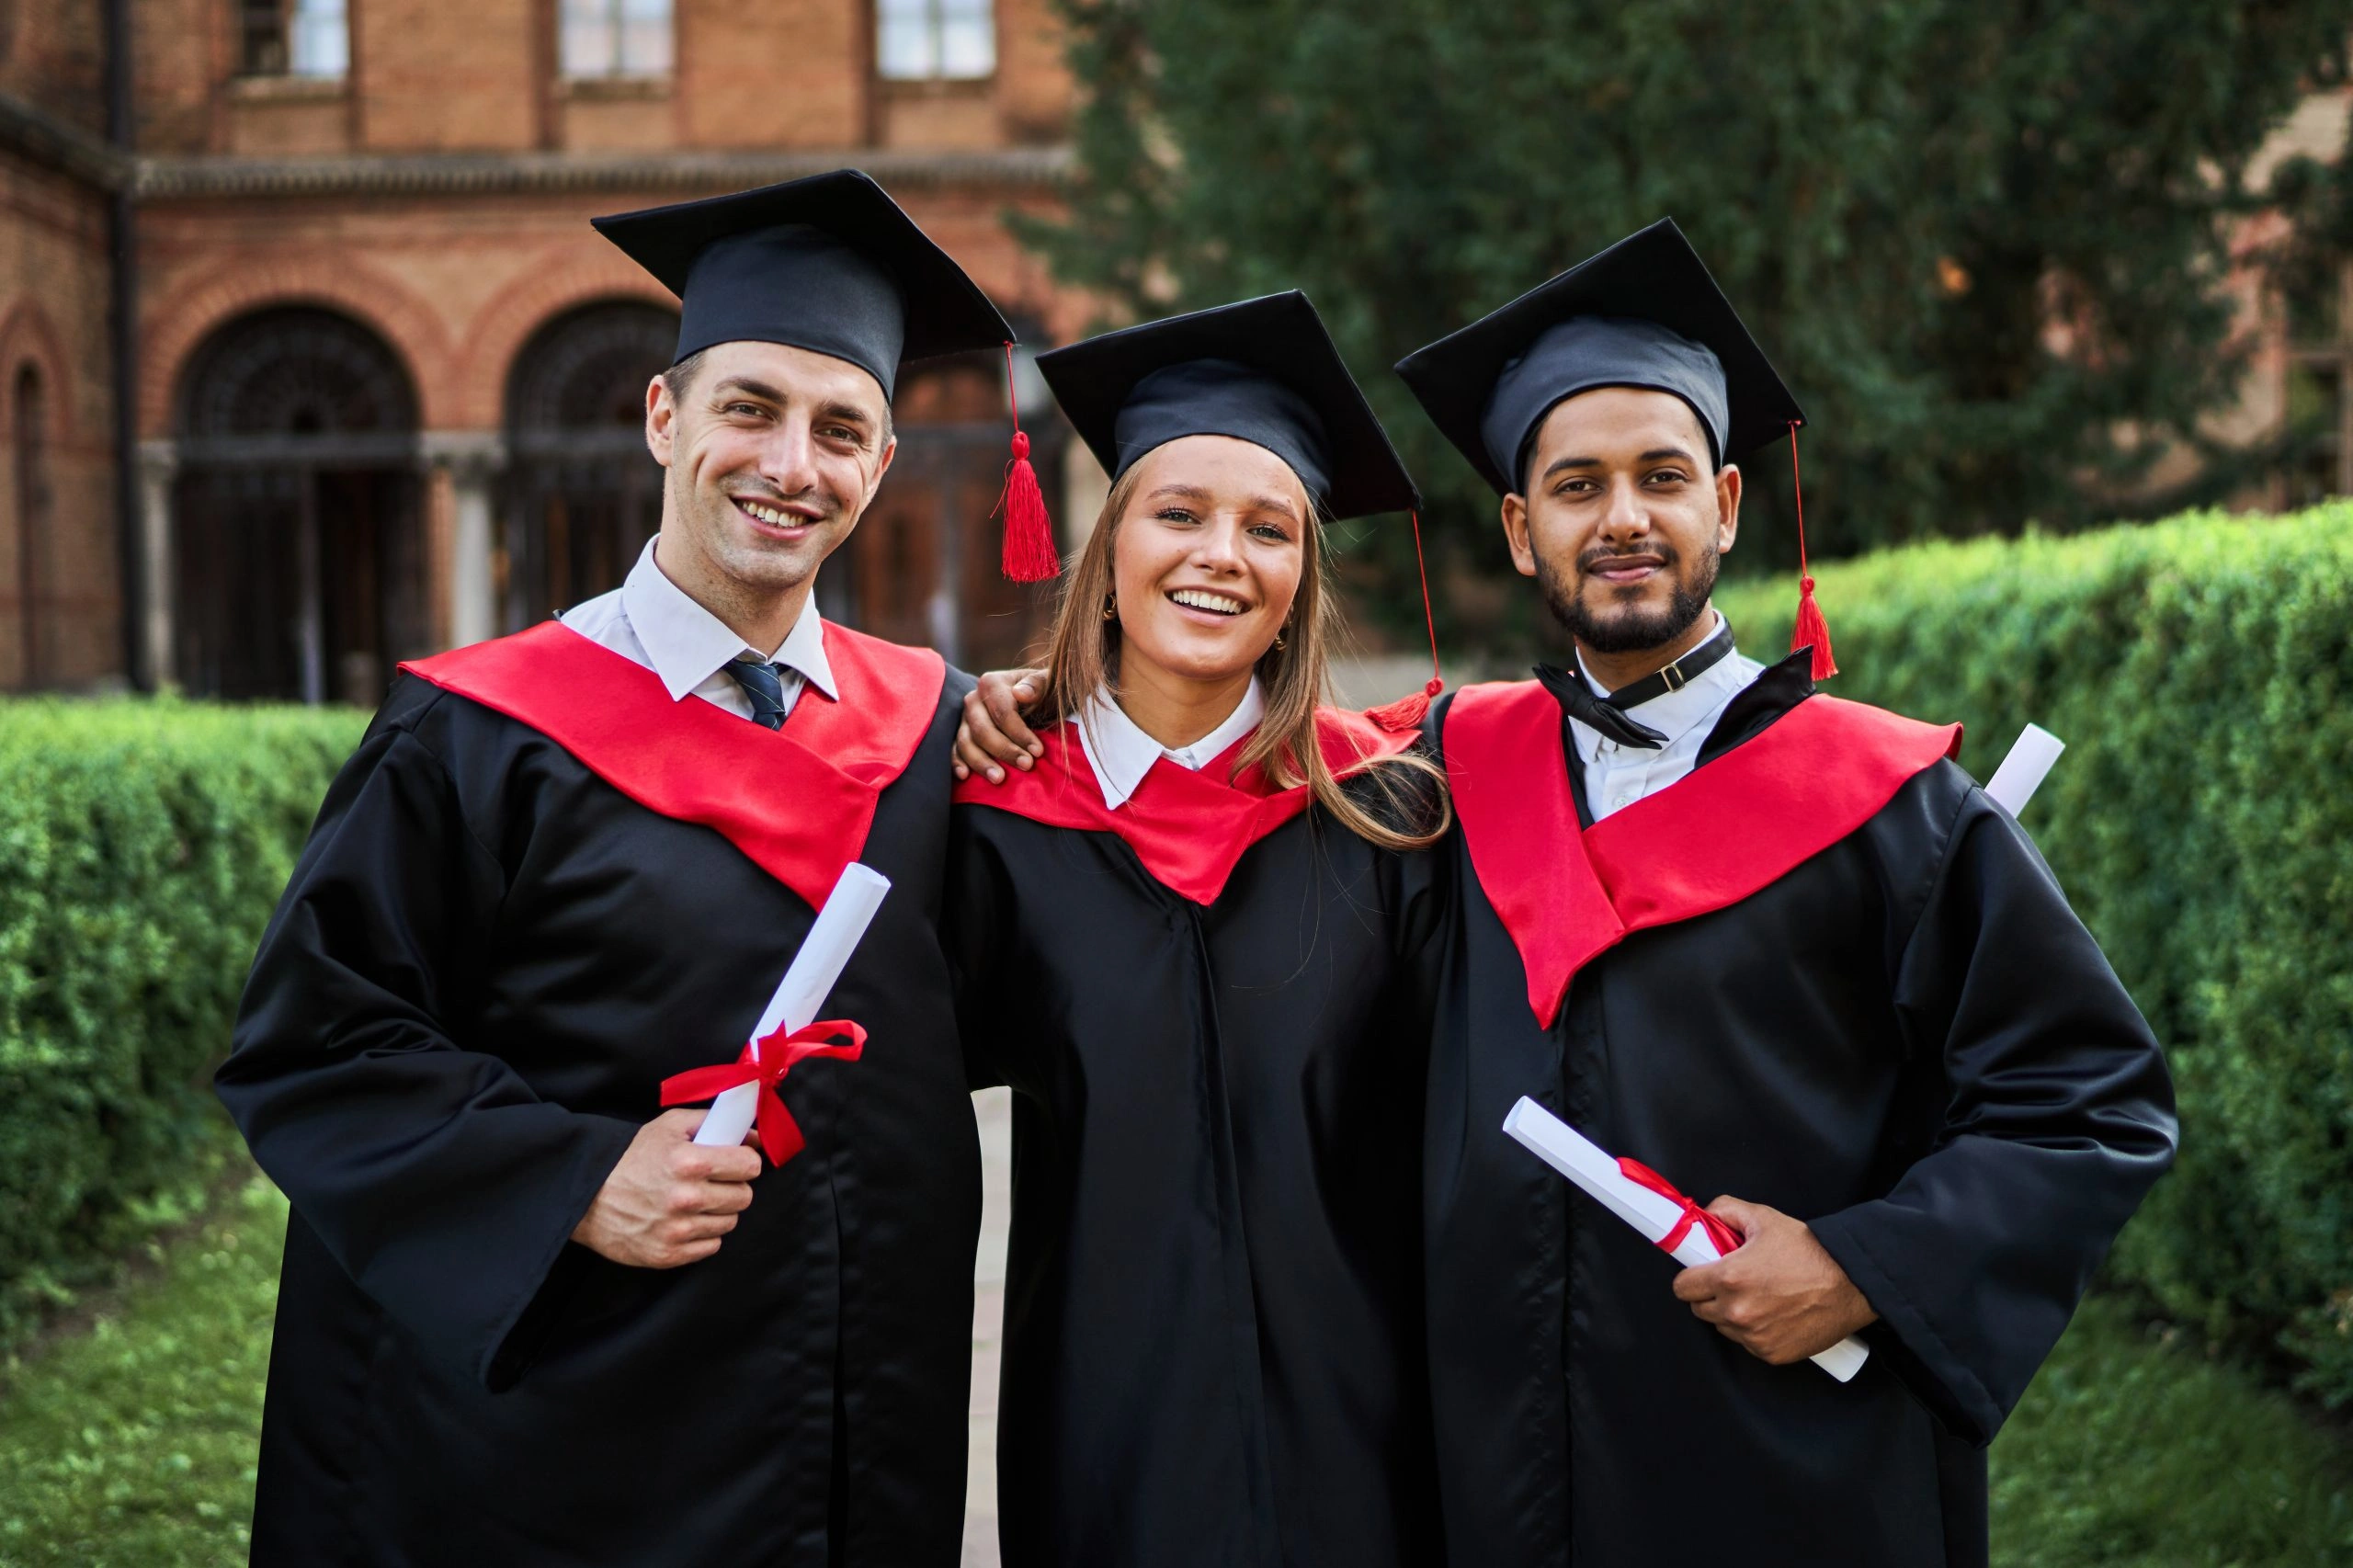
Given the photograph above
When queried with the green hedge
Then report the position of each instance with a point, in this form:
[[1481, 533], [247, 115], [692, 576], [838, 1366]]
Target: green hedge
[[2202, 821], [141, 847]]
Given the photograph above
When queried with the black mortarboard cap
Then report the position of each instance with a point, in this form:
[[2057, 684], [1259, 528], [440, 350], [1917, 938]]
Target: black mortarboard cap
[[1264, 371], [1643, 314], [828, 264]]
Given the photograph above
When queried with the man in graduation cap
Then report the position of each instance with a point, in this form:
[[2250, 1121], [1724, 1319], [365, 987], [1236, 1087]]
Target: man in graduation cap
[[525, 1319], [1776, 946]]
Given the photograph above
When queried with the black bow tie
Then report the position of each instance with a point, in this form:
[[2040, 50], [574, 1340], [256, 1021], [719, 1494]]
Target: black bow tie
[[1608, 715]]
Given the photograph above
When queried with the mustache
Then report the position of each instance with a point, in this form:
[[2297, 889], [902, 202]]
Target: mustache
[[1588, 558]]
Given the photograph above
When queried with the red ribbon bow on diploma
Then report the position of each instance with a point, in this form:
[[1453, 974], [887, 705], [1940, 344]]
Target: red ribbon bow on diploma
[[1727, 1240], [767, 1065]]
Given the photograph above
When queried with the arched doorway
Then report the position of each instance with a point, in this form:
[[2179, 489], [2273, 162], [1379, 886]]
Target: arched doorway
[[922, 566], [584, 495], [301, 562]]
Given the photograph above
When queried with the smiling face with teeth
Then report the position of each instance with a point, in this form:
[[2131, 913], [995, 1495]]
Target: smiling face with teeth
[[1205, 562], [773, 454], [1622, 520]]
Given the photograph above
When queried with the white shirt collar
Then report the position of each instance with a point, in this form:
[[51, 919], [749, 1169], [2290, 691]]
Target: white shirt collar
[[687, 644], [1120, 752], [1673, 713]]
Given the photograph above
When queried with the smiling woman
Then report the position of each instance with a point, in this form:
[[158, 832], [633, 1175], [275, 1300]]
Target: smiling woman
[[1234, 1044]]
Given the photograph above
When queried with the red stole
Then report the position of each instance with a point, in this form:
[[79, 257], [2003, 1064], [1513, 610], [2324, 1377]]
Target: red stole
[[1190, 829], [1703, 842], [797, 800]]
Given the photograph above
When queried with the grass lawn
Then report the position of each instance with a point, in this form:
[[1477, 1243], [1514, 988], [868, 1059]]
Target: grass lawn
[[131, 1445]]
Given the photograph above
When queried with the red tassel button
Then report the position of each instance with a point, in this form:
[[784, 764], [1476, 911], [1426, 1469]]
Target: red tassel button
[[1030, 553]]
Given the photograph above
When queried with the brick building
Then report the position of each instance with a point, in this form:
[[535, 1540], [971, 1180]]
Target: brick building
[[61, 200], [386, 384], [381, 381]]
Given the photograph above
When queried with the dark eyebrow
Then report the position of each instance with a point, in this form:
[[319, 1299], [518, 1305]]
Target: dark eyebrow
[[1195, 492], [840, 412], [760, 390], [1656, 454], [848, 414]]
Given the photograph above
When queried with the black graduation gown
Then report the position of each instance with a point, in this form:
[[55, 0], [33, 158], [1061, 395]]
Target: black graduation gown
[[1212, 1342], [1903, 1036], [490, 956]]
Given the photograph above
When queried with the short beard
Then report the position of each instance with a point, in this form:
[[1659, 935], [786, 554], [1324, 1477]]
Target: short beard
[[1632, 631]]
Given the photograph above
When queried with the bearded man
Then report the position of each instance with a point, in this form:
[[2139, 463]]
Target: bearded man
[[525, 1319], [1772, 945]]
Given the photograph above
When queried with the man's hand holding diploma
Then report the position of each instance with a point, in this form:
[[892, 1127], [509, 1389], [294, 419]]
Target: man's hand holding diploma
[[670, 1199], [1782, 1297]]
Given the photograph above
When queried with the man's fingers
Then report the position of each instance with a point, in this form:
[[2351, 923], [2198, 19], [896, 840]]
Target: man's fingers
[[690, 1252], [1700, 1284], [1004, 693], [740, 1163], [726, 1198], [972, 759], [1742, 1216], [994, 722], [1715, 1309]]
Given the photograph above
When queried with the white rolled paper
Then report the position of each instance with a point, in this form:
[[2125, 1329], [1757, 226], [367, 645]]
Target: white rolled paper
[[807, 981], [1575, 1156], [2023, 771]]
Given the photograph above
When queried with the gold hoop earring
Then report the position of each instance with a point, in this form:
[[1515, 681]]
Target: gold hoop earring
[[1278, 641], [1110, 606]]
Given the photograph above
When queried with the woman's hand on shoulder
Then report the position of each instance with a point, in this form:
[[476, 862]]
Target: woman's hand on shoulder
[[991, 737]]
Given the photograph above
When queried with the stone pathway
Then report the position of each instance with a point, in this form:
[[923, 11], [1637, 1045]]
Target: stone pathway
[[995, 1109]]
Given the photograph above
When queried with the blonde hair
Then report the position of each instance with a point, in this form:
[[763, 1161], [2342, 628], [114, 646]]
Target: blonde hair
[[1295, 677]]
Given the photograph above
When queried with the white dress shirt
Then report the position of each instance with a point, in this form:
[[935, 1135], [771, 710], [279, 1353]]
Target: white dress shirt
[[1121, 754], [1617, 776], [650, 620]]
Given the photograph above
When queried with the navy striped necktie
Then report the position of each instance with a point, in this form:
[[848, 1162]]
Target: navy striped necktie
[[764, 684]]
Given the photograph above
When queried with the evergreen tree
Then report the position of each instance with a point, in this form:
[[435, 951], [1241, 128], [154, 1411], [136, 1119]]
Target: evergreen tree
[[1984, 240]]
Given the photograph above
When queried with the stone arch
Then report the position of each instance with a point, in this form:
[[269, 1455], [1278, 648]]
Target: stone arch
[[556, 284], [177, 325], [582, 494], [299, 547]]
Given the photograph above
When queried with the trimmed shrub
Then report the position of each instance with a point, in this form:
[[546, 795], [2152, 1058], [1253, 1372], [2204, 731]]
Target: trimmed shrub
[[2202, 821], [142, 844]]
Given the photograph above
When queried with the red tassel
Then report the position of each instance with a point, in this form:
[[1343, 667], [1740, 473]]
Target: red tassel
[[1407, 712], [1811, 631], [1031, 555]]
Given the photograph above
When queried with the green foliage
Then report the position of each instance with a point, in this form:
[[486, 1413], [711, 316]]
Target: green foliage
[[132, 1445], [2130, 1453], [141, 847], [2200, 670], [1902, 199]]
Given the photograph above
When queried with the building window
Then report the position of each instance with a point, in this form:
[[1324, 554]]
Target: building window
[[930, 40], [616, 37], [2320, 390], [296, 38]]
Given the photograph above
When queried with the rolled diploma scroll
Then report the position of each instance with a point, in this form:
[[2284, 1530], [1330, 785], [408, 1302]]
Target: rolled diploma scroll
[[2022, 772], [807, 981], [1572, 1154]]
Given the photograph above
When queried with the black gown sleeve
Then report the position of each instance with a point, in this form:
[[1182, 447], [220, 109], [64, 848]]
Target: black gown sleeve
[[977, 904], [2057, 1118], [440, 1182]]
